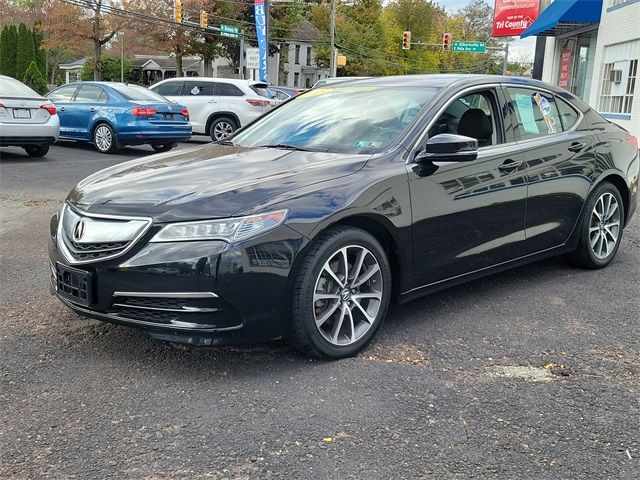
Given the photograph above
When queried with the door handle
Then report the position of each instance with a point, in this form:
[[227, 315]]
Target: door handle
[[509, 165], [576, 146]]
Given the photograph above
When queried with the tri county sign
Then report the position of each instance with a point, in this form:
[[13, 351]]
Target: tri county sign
[[512, 17]]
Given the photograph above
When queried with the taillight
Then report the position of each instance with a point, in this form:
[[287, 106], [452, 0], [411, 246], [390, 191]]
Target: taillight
[[258, 103], [143, 111], [633, 141], [1, 105], [49, 108], [185, 112]]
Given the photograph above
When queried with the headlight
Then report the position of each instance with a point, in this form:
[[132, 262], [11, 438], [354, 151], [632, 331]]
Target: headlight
[[227, 229]]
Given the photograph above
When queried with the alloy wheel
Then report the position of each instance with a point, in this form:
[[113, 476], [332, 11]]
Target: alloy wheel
[[347, 295], [604, 226], [222, 130], [103, 138]]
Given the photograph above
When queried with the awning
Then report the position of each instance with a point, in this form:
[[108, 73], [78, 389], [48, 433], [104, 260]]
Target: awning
[[563, 16]]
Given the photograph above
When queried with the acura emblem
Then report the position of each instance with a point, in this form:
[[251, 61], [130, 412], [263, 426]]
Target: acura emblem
[[78, 230]]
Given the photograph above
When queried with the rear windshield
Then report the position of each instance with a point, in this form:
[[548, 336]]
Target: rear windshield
[[10, 87], [134, 92], [263, 91]]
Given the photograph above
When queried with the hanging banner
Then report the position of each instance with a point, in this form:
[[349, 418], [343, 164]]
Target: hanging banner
[[261, 31], [512, 17], [565, 68]]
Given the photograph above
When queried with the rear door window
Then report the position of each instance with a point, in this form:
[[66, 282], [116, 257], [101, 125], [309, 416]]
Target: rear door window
[[536, 113], [90, 94], [169, 89], [198, 89], [228, 90]]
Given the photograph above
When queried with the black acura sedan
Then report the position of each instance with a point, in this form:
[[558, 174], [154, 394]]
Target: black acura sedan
[[308, 222]]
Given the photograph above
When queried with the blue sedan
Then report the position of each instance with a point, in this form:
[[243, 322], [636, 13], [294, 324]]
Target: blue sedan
[[112, 115]]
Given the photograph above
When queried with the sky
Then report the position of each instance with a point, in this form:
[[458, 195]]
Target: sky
[[517, 49]]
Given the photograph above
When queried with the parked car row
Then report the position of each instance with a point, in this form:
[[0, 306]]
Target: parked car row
[[112, 115]]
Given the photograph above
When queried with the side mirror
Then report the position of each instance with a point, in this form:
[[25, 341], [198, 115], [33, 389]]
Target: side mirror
[[447, 147]]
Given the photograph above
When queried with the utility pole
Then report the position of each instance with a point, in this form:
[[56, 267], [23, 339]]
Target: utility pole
[[241, 62], [505, 65], [122, 58], [332, 33]]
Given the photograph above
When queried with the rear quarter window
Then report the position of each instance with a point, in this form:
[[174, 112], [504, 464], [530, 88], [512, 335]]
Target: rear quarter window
[[568, 115]]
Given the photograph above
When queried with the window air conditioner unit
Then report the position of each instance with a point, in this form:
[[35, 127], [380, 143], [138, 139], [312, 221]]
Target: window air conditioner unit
[[615, 76]]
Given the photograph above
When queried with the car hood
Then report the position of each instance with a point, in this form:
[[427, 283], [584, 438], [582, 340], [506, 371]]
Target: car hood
[[207, 182]]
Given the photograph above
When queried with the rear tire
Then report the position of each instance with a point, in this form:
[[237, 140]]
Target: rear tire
[[600, 229], [221, 128], [163, 148], [340, 295], [37, 150], [104, 139]]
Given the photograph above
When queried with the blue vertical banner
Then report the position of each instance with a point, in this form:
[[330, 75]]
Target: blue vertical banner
[[261, 31]]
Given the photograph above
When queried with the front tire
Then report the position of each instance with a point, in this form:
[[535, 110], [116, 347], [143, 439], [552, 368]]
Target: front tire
[[37, 150], [221, 128], [104, 138], [341, 294], [600, 229]]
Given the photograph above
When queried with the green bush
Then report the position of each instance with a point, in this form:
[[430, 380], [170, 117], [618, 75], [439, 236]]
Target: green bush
[[34, 79]]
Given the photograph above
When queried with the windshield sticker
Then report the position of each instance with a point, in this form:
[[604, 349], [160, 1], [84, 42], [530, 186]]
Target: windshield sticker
[[525, 112], [545, 109], [367, 144], [195, 90]]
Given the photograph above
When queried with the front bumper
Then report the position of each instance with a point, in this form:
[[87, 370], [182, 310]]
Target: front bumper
[[202, 293]]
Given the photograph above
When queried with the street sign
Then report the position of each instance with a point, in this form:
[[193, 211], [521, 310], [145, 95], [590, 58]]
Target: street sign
[[253, 58], [474, 47], [228, 31]]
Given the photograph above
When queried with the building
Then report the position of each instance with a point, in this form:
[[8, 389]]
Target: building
[[160, 67], [72, 70], [592, 49], [300, 69]]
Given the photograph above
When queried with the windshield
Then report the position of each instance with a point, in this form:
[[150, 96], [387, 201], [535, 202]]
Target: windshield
[[13, 88], [136, 93], [362, 119]]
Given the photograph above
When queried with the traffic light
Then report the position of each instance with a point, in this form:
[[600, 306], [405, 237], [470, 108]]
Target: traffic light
[[406, 40], [204, 19], [177, 11], [446, 41]]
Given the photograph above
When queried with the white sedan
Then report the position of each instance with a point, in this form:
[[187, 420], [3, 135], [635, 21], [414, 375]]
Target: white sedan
[[27, 119]]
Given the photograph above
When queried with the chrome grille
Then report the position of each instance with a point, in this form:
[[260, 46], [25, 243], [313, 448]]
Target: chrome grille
[[84, 237]]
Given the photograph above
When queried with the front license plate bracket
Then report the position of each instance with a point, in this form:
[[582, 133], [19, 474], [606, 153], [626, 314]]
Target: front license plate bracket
[[74, 285]]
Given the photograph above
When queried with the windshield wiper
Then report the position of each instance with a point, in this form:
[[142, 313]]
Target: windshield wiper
[[285, 146], [226, 142]]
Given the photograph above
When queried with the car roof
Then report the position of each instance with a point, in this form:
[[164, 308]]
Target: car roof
[[234, 81], [440, 80]]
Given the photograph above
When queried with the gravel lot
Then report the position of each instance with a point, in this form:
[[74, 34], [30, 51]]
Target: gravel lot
[[438, 395]]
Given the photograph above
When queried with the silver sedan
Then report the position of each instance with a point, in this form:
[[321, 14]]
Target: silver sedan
[[27, 119]]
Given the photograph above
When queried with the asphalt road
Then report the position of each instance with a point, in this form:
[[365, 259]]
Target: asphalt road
[[436, 396]]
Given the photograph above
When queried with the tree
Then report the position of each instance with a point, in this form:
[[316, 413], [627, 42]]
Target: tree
[[110, 70], [38, 38], [81, 29], [8, 50], [25, 51], [33, 78]]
